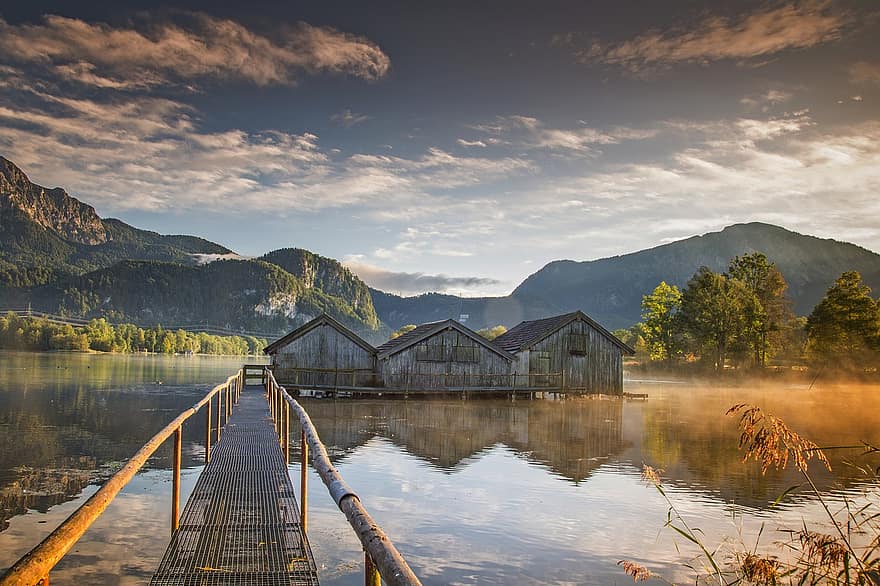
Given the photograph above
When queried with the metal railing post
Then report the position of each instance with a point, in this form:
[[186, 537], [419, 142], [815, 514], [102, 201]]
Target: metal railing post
[[371, 574], [208, 432], [175, 490], [303, 479]]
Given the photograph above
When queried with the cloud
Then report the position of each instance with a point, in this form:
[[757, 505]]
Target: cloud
[[160, 53], [765, 101], [404, 283], [865, 72], [471, 143], [348, 118], [765, 32], [526, 132], [148, 153]]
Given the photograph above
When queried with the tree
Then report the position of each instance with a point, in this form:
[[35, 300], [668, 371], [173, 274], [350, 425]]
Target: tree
[[713, 311], [659, 310], [844, 328], [402, 330], [492, 333], [765, 323]]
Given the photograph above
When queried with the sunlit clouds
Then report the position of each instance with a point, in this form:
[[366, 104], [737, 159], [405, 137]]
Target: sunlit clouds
[[201, 47], [427, 164], [795, 25]]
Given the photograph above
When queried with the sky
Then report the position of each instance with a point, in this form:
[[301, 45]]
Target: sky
[[454, 146]]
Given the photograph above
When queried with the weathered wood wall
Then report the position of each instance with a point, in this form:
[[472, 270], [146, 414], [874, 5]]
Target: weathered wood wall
[[599, 369], [324, 347], [409, 368]]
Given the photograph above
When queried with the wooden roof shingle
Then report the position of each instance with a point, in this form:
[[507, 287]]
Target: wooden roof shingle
[[309, 326], [427, 330], [528, 333]]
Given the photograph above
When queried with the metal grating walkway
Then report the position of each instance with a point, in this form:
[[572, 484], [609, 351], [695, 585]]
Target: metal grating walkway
[[241, 523]]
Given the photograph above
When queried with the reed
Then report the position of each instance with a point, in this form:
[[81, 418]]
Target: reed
[[848, 555]]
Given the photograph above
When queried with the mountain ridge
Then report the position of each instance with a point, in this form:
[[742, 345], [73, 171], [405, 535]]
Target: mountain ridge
[[57, 251], [610, 289], [59, 254]]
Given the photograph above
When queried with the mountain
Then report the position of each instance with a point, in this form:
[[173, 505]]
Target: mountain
[[610, 289], [60, 256], [327, 275], [44, 232]]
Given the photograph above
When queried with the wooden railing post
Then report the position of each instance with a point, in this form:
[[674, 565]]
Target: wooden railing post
[[208, 432], [219, 412], [228, 402], [303, 478], [287, 433], [371, 574], [175, 490], [270, 396]]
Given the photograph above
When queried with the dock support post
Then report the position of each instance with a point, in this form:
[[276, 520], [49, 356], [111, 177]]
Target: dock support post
[[175, 490], [208, 432], [371, 574], [303, 479]]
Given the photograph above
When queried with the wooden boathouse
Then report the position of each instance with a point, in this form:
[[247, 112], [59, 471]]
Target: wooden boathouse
[[321, 354], [443, 356], [588, 357], [564, 353]]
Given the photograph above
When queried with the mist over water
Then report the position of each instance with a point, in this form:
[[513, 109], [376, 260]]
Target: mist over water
[[477, 491]]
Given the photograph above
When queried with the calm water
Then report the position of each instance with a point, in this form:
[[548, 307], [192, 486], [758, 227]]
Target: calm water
[[472, 492]]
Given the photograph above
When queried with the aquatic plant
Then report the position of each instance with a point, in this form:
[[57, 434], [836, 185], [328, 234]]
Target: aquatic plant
[[850, 554]]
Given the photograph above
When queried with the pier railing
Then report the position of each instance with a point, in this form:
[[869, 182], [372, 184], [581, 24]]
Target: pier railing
[[35, 566], [382, 561]]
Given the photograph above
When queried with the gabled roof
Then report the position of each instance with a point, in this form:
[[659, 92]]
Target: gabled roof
[[321, 320], [425, 331], [528, 333]]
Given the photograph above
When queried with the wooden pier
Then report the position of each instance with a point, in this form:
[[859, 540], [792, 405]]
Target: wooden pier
[[241, 525]]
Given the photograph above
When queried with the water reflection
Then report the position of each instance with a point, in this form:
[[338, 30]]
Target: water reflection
[[572, 438], [69, 420], [527, 492]]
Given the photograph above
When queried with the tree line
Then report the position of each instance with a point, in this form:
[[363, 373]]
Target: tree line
[[743, 317], [38, 334]]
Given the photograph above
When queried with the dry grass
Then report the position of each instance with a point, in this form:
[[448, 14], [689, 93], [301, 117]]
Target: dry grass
[[768, 440], [760, 570], [638, 573], [850, 555]]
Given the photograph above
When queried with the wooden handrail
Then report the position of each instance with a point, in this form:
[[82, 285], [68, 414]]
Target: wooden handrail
[[35, 566], [391, 565]]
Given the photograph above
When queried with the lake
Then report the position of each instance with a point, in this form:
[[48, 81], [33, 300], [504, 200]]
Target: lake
[[471, 491]]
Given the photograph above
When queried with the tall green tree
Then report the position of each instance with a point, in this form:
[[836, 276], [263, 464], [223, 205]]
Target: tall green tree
[[770, 314], [659, 324], [844, 328], [713, 311]]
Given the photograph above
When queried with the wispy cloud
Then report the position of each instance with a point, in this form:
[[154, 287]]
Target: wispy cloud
[[348, 118], [865, 72], [767, 100], [404, 283], [763, 33], [200, 46], [150, 153], [526, 132]]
